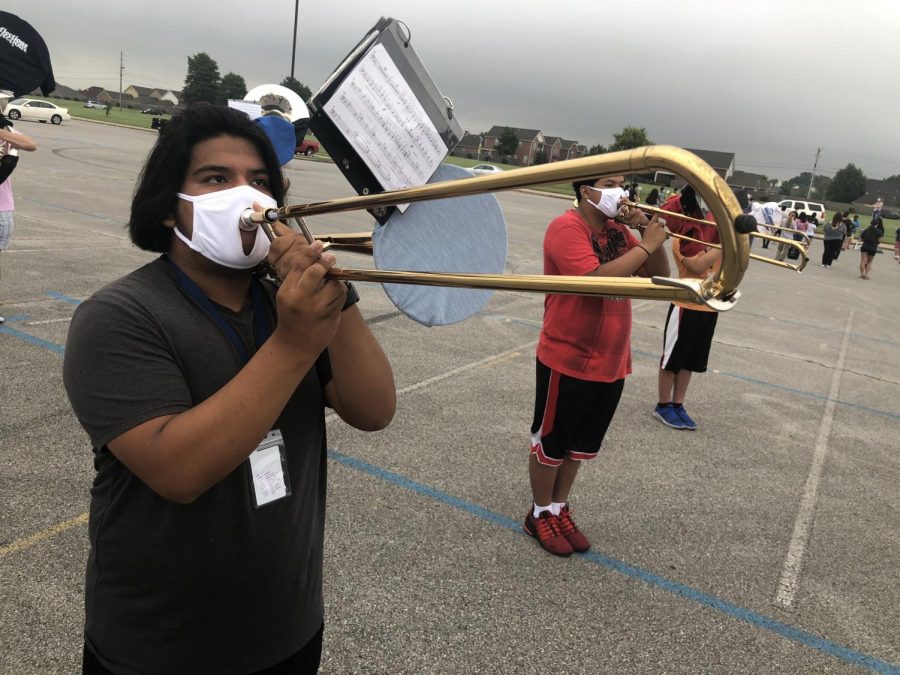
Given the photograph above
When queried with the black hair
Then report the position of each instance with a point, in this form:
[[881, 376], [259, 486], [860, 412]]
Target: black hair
[[4, 122], [690, 206], [576, 186], [155, 197], [803, 217]]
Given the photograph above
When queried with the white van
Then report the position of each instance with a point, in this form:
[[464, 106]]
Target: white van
[[813, 210]]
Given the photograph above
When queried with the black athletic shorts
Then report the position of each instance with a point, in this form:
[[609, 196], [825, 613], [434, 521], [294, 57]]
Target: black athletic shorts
[[687, 339], [571, 416]]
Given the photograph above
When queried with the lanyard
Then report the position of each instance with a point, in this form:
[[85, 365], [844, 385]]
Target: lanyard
[[262, 325]]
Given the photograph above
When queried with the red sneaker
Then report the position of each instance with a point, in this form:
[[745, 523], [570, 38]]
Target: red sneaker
[[545, 528], [570, 531]]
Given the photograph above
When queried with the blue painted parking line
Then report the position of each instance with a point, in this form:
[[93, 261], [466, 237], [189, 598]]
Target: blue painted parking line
[[63, 297], [30, 339], [66, 208], [784, 630]]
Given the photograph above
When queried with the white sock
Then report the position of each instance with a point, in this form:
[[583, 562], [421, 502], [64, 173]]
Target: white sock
[[556, 507], [538, 510]]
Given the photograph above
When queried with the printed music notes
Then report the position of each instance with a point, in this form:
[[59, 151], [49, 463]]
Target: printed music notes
[[379, 115]]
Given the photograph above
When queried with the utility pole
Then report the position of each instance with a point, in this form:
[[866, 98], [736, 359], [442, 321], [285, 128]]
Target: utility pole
[[121, 70], [812, 178], [294, 48]]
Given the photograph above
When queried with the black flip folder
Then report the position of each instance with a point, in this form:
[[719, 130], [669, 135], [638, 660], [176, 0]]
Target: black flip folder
[[385, 151]]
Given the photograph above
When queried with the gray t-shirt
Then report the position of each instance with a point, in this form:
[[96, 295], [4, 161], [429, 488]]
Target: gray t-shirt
[[216, 586]]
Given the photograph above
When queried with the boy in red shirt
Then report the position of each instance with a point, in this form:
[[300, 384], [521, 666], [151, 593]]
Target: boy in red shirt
[[688, 334], [584, 352]]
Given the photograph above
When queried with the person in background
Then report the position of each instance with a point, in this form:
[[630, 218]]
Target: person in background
[[584, 350], [877, 207], [871, 237], [810, 229], [653, 197], [633, 192], [897, 244], [832, 236], [688, 334], [11, 141], [851, 228], [789, 224], [203, 387]]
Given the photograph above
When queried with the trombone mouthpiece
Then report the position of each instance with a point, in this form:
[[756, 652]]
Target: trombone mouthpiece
[[246, 221]]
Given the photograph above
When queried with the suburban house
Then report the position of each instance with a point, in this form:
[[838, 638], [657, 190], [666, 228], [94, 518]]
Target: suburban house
[[567, 149], [530, 140], [888, 190], [152, 96], [166, 95], [721, 162], [469, 146], [745, 179], [552, 148]]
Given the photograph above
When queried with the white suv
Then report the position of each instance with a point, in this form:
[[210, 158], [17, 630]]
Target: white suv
[[93, 104], [813, 210]]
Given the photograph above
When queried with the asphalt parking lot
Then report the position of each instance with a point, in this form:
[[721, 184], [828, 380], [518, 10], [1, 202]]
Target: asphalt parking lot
[[766, 541]]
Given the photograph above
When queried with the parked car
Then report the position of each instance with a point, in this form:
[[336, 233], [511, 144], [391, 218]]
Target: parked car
[[41, 111], [94, 104], [813, 210], [485, 169], [307, 148], [153, 110]]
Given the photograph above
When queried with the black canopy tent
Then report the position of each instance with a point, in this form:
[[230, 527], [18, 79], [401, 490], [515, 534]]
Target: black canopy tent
[[24, 58]]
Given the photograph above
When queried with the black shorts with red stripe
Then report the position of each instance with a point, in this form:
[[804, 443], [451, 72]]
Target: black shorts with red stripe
[[571, 416], [687, 339]]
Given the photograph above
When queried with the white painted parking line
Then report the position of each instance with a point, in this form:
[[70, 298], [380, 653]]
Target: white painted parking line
[[786, 592], [488, 360], [46, 321]]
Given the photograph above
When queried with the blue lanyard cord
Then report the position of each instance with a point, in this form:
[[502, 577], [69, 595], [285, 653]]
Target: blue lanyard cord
[[261, 322]]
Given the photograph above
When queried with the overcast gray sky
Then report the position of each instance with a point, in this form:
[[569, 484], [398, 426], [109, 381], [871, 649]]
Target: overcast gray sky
[[770, 80]]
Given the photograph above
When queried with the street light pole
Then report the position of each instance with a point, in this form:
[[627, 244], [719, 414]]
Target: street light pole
[[294, 48]]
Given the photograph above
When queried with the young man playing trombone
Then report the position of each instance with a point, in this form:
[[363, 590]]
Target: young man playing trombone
[[584, 352], [203, 390], [688, 334]]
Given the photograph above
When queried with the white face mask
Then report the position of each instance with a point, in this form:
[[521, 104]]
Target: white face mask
[[216, 235], [609, 200]]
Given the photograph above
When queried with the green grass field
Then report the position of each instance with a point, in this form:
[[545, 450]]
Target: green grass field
[[132, 118]]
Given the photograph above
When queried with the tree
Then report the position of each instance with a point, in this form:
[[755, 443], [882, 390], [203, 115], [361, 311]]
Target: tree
[[540, 157], [597, 150], [203, 82], [297, 87], [233, 86], [508, 143], [799, 185], [630, 137], [848, 184]]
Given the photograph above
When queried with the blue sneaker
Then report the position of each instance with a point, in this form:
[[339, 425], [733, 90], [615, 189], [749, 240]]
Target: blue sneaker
[[667, 415], [689, 424]]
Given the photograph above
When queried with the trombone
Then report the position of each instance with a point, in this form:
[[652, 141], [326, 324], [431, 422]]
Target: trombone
[[719, 292], [801, 245]]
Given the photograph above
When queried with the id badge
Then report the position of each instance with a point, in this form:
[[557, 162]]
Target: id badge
[[268, 471]]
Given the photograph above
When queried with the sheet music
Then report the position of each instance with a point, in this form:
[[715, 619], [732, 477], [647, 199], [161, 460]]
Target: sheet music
[[379, 115]]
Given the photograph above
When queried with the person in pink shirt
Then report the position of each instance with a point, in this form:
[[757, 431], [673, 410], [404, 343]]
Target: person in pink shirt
[[11, 141]]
